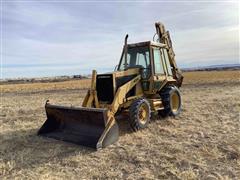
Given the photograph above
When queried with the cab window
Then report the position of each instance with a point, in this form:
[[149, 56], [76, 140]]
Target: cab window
[[137, 57], [122, 65], [158, 63], [166, 58]]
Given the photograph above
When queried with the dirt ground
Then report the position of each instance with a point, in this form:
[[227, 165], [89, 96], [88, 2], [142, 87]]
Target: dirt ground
[[202, 143]]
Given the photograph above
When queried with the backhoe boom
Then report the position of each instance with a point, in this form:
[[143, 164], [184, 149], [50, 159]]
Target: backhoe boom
[[164, 37]]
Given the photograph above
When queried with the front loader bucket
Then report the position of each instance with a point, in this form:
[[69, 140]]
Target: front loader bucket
[[83, 126]]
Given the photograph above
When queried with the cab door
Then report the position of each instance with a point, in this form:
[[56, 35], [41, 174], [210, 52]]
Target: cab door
[[159, 68], [166, 61]]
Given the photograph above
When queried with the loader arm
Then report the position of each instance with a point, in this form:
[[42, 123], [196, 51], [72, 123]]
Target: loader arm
[[120, 96], [91, 96]]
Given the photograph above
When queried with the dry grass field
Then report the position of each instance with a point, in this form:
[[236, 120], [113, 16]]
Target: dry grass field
[[202, 143]]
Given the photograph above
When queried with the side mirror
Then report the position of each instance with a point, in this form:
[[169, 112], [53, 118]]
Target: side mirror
[[115, 69]]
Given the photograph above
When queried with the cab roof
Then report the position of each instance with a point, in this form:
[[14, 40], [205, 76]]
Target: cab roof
[[146, 43]]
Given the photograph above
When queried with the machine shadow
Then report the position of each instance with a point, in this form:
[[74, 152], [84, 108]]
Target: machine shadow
[[28, 150], [123, 124]]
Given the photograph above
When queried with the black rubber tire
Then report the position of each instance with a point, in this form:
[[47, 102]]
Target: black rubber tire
[[135, 122], [166, 94]]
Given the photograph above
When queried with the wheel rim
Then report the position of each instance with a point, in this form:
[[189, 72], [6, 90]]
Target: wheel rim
[[143, 113], [175, 102]]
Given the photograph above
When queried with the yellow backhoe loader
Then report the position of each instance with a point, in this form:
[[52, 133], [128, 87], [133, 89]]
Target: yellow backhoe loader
[[146, 80]]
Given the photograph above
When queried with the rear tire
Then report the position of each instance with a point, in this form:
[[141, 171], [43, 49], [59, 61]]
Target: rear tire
[[172, 103], [140, 114]]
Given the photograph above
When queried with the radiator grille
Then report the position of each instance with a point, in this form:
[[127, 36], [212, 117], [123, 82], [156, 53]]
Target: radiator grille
[[105, 87]]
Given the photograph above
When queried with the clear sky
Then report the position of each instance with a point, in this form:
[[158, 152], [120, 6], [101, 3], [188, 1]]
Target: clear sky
[[64, 38]]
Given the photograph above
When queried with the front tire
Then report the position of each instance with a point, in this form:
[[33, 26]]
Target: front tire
[[140, 114], [172, 102]]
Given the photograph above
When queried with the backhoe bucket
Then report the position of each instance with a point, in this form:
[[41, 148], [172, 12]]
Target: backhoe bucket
[[83, 126]]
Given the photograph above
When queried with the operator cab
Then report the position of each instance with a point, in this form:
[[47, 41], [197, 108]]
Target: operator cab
[[151, 57]]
